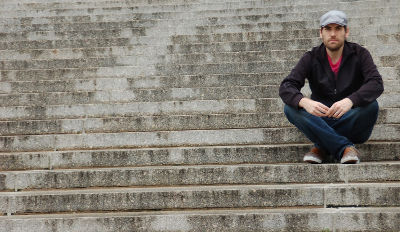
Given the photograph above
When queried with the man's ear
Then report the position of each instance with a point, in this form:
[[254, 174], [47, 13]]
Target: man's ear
[[347, 32], [320, 33]]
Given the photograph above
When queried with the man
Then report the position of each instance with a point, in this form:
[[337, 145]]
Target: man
[[345, 84]]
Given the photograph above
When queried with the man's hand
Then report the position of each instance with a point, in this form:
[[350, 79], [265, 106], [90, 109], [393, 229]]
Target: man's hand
[[339, 108], [313, 107]]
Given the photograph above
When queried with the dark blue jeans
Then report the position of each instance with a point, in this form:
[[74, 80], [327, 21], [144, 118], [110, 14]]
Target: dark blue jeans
[[334, 135]]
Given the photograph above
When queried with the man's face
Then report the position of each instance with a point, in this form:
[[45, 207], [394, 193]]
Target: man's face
[[333, 36]]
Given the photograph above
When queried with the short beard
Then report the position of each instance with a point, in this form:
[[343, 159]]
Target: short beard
[[334, 49]]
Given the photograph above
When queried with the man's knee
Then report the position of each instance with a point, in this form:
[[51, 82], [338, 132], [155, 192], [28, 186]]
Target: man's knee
[[364, 122], [370, 110], [292, 113], [287, 110]]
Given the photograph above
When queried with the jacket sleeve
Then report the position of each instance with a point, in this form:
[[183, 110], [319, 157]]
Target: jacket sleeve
[[289, 90], [372, 86]]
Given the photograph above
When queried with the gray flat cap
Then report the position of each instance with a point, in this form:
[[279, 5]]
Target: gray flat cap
[[333, 16]]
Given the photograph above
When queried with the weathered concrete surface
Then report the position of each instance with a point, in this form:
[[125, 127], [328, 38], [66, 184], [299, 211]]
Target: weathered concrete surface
[[203, 197], [215, 137], [133, 86], [199, 197], [266, 154], [200, 175], [342, 219]]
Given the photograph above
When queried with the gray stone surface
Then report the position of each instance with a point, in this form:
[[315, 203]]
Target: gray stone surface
[[164, 115], [199, 197], [365, 219], [200, 175], [202, 197], [256, 154]]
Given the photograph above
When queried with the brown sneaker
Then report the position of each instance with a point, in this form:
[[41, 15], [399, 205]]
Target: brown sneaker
[[314, 156], [350, 156]]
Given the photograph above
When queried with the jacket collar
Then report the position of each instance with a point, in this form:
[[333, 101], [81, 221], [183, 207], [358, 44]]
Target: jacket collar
[[323, 59], [347, 51]]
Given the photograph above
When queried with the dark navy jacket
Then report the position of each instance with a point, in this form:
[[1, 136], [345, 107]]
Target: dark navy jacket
[[357, 79]]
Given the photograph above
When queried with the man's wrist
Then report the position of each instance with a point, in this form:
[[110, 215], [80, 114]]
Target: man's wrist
[[350, 101], [302, 102]]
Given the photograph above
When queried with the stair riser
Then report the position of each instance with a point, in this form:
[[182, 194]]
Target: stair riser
[[228, 197], [197, 18], [198, 222], [188, 64], [131, 21], [170, 139], [107, 77], [130, 29], [218, 8], [150, 139], [93, 97], [37, 5], [143, 109], [161, 123], [213, 175], [183, 156]]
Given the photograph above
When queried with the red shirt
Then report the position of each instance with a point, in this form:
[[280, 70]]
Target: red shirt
[[335, 67]]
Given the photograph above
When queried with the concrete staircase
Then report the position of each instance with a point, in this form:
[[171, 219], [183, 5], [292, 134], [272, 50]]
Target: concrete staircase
[[163, 115]]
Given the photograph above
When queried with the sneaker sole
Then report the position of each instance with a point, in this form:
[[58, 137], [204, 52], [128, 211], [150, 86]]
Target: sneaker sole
[[350, 160], [312, 160]]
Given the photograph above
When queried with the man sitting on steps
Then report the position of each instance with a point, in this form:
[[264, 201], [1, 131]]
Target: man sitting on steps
[[345, 84]]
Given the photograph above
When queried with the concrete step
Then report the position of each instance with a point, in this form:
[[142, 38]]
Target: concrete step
[[202, 197], [58, 63], [390, 61], [250, 154], [44, 50], [37, 48], [48, 89], [160, 123], [141, 108], [389, 100], [309, 219], [184, 27], [137, 79], [220, 137], [57, 44], [249, 174], [148, 80], [169, 2], [283, 35], [140, 2], [227, 16], [72, 59], [80, 96], [77, 58], [391, 86], [193, 57], [91, 79], [248, 57], [181, 69], [101, 108], [147, 123], [305, 7], [127, 38], [160, 4], [250, 67], [26, 109], [101, 47], [62, 83], [101, 22], [158, 70], [239, 51]]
